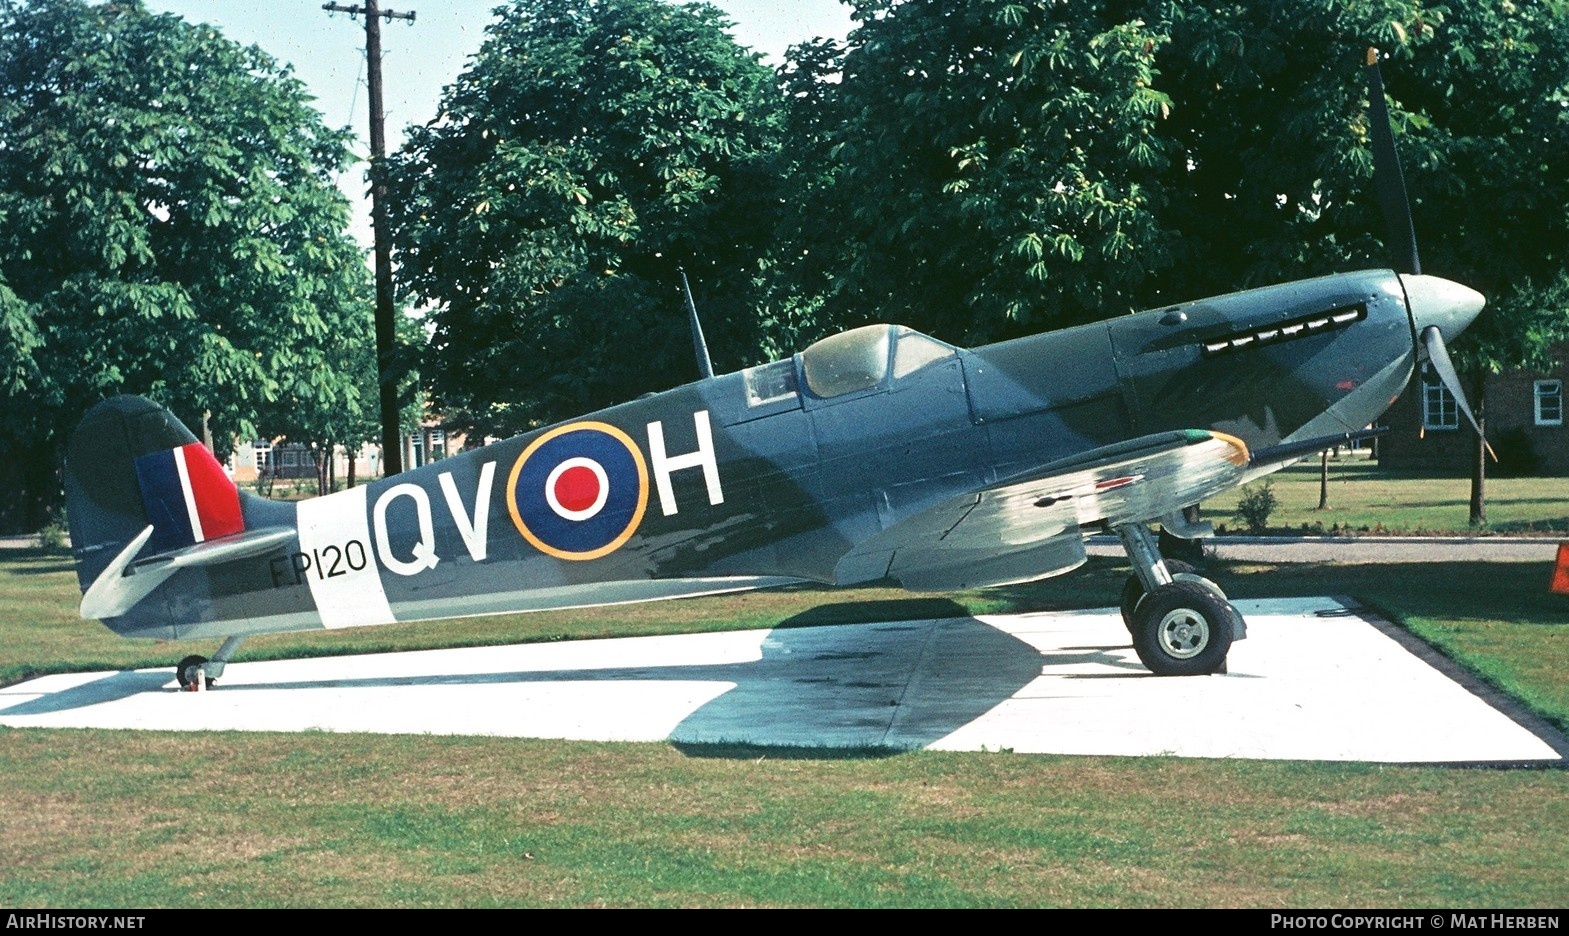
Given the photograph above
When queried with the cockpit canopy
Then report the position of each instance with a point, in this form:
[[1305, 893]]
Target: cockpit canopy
[[855, 361], [863, 358]]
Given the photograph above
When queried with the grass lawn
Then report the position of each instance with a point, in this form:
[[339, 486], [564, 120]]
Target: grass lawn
[[1364, 498], [150, 819]]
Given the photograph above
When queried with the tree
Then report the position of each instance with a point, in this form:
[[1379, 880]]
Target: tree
[[1274, 177], [589, 150], [979, 170], [171, 228], [999, 166], [349, 417], [1499, 132]]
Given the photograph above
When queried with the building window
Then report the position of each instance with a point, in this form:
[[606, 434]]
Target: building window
[[1549, 402], [262, 449], [416, 449], [1438, 404]]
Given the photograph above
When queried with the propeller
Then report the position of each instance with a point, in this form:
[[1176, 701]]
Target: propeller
[[1440, 308], [1438, 359], [1389, 182]]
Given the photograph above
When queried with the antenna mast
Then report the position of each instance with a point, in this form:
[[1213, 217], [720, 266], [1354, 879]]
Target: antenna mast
[[705, 365]]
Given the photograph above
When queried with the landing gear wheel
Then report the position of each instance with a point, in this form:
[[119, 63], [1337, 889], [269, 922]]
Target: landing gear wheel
[[1183, 629], [188, 670], [1133, 589]]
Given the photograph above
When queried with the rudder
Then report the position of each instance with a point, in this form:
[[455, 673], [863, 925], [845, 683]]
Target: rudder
[[131, 464]]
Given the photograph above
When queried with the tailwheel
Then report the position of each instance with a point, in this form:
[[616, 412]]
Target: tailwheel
[[1183, 629], [198, 672], [189, 670]]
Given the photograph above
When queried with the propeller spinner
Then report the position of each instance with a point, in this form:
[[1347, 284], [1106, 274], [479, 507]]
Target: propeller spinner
[[1441, 309]]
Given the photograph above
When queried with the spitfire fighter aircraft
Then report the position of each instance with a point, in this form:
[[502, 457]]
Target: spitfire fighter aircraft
[[876, 454]]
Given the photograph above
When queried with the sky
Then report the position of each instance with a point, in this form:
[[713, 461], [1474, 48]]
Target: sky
[[419, 59]]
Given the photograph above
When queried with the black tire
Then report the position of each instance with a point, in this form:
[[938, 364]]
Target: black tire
[[182, 673], [1133, 589], [1183, 629]]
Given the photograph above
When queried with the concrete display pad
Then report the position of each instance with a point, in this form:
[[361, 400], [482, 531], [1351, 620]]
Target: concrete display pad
[[1315, 680]]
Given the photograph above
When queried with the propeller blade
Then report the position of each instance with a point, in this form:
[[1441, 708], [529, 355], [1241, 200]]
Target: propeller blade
[[1438, 357], [1389, 183]]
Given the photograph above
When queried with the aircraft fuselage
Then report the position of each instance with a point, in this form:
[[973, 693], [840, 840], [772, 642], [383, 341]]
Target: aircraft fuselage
[[774, 474]]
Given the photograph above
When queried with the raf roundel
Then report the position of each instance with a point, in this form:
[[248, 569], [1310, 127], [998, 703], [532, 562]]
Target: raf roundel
[[579, 490]]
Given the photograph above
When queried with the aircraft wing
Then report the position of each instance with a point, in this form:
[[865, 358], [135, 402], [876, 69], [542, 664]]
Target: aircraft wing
[[1027, 526]]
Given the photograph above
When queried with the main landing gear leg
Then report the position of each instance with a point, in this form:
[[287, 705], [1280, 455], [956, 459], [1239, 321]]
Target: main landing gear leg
[[197, 673], [1181, 623]]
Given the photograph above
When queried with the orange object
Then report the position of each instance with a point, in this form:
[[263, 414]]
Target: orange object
[[1561, 571]]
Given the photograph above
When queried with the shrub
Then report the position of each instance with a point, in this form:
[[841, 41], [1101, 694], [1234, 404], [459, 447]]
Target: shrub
[[54, 537], [1255, 506]]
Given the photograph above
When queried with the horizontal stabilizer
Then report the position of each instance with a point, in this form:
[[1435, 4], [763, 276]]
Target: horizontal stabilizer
[[127, 580]]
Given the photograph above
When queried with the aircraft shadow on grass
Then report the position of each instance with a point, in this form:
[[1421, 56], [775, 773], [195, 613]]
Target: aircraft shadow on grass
[[111, 688]]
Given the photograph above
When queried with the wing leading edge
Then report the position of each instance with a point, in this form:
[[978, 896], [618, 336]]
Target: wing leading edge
[[1027, 527]]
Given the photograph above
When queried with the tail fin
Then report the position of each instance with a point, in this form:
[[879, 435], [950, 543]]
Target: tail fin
[[130, 465]]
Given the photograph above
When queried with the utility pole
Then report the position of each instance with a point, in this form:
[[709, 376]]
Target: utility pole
[[386, 325]]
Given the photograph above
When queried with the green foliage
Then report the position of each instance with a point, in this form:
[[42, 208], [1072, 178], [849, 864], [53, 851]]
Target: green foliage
[[975, 170], [997, 167], [263, 483], [55, 537], [171, 228], [978, 170], [1256, 504], [992, 168], [1274, 180], [587, 152], [1273, 177]]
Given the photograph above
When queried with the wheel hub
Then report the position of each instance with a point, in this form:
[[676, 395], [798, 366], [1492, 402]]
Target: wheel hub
[[1184, 633]]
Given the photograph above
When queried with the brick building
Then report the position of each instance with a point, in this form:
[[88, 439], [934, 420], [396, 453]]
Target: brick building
[[1525, 425], [286, 460]]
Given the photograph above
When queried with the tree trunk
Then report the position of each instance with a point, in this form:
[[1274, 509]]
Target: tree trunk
[[321, 469], [351, 451], [1479, 463], [30, 480], [1323, 480]]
